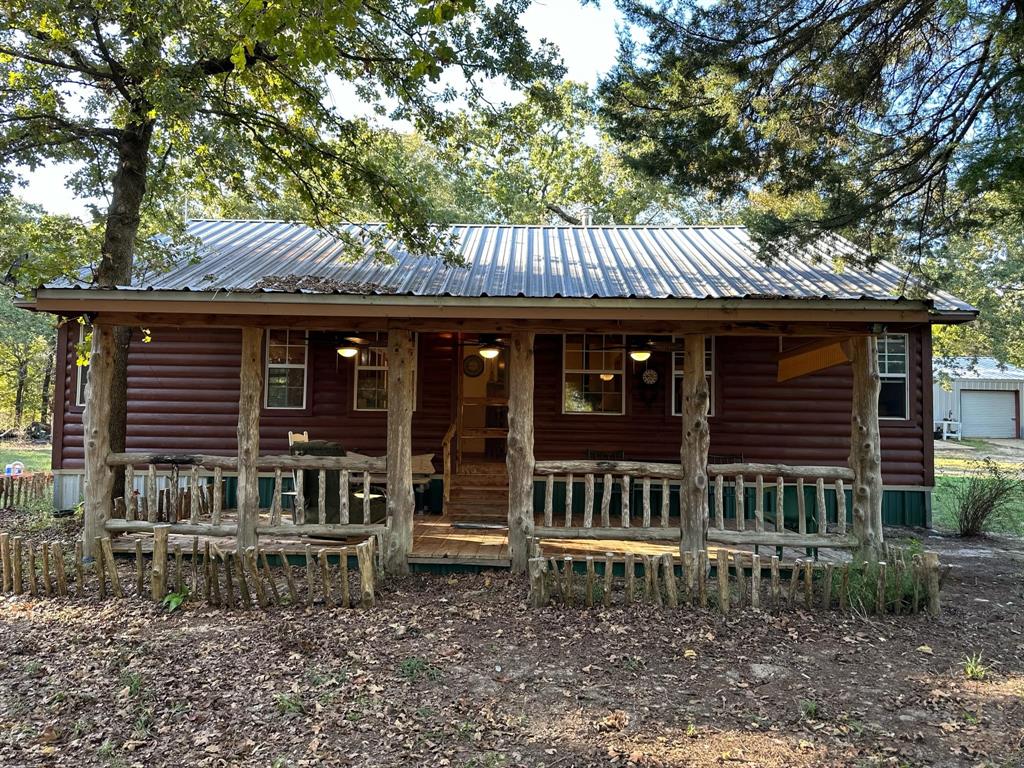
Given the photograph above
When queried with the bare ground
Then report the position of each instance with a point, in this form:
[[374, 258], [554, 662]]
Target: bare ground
[[455, 670]]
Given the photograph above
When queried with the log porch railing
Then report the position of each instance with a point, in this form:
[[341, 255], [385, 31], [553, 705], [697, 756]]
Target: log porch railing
[[744, 478], [626, 476], [197, 507], [650, 517]]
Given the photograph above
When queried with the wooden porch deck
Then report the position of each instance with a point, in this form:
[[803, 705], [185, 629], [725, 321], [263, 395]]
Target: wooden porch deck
[[436, 541]]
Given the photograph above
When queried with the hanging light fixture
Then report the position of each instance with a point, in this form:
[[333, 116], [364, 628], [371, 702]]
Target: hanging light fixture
[[607, 376], [348, 350], [640, 355], [489, 348]]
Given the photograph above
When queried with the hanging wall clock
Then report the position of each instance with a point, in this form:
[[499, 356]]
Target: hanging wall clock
[[473, 366]]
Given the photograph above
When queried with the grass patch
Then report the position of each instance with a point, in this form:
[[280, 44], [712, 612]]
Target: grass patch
[[943, 517], [414, 668], [34, 456], [974, 669]]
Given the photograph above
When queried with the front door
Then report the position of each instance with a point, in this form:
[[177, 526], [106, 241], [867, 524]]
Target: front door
[[483, 405]]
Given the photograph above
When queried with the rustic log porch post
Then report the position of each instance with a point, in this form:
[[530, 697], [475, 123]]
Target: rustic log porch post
[[401, 497], [693, 495], [866, 446], [99, 478], [519, 454], [250, 397]]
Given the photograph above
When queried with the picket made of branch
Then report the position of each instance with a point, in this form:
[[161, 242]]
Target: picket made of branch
[[221, 578], [19, 491], [907, 584]]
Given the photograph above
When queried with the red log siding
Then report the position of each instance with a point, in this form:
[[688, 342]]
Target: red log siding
[[183, 396], [183, 392]]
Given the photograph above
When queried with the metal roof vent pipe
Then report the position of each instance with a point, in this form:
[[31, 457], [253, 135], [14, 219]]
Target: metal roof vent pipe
[[587, 217]]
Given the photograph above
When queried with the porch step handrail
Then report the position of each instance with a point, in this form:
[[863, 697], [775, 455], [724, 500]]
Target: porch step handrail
[[446, 455]]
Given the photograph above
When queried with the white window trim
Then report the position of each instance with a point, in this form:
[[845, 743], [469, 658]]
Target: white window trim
[[905, 376], [709, 374], [80, 379], [621, 372], [267, 365], [357, 368]]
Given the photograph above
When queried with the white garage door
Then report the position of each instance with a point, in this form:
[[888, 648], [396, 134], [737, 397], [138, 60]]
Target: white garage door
[[988, 414]]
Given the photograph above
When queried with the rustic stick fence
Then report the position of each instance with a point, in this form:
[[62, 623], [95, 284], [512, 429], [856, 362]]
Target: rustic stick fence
[[741, 580], [219, 577], [17, 491]]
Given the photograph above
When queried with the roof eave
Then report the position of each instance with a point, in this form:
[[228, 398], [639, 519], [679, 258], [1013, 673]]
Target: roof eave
[[953, 317], [78, 300]]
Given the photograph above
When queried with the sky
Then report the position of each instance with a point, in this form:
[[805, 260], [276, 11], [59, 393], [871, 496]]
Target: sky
[[586, 36]]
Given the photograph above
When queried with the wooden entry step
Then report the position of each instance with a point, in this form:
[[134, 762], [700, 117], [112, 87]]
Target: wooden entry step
[[479, 493]]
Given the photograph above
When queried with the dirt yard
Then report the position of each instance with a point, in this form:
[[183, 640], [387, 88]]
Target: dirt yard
[[956, 456], [456, 671]]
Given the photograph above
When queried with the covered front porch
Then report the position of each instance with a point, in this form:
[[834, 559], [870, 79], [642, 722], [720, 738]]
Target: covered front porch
[[570, 506]]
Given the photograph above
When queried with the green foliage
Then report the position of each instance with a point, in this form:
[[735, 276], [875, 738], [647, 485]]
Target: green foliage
[[206, 99], [288, 704], [27, 349], [949, 487], [414, 668], [132, 682], [986, 269], [974, 669], [809, 709], [988, 498], [899, 585], [36, 458], [174, 600], [887, 121]]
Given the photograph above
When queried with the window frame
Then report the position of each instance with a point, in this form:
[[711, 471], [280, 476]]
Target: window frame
[[267, 365], [357, 367], [709, 375], [81, 371], [905, 376], [621, 372]]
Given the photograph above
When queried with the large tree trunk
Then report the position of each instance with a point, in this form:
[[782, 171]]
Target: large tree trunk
[[693, 488], [116, 261], [45, 394], [401, 500], [866, 447], [19, 393], [519, 457]]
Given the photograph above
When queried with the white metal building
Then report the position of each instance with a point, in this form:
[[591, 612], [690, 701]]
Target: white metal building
[[984, 395]]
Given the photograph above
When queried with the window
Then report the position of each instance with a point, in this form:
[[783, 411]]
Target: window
[[593, 374], [287, 353], [709, 372], [371, 389], [82, 352], [893, 400]]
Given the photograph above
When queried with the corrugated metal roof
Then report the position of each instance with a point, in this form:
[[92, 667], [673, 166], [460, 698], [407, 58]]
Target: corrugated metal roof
[[979, 368], [717, 262]]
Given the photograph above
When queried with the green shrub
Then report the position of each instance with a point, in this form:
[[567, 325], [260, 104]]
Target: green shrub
[[985, 499]]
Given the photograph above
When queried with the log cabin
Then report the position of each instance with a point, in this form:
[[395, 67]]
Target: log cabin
[[594, 386]]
